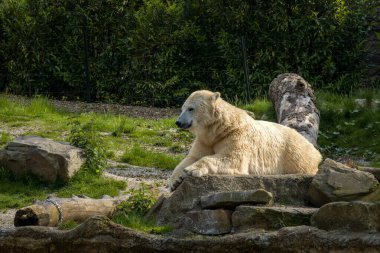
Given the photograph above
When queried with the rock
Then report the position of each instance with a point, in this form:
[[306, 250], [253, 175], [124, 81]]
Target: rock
[[209, 222], [354, 216], [363, 102], [99, 234], [236, 198], [47, 159], [372, 170], [337, 182], [286, 189], [275, 217]]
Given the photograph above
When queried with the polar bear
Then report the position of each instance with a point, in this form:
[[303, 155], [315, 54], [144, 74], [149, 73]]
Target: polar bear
[[229, 141]]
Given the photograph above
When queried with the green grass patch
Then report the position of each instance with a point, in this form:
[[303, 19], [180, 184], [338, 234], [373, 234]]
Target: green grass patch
[[347, 129], [262, 108], [20, 192], [132, 212], [67, 225], [5, 138], [91, 185], [144, 157], [140, 223]]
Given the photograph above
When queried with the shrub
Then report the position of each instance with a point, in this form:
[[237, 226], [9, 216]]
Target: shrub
[[154, 52], [84, 136]]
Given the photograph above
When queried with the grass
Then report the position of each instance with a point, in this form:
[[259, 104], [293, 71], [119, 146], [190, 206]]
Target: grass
[[20, 192], [67, 225], [143, 157], [132, 213], [140, 223], [345, 130]]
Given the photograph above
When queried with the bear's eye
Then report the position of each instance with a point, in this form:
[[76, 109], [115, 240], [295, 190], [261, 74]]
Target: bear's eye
[[191, 109]]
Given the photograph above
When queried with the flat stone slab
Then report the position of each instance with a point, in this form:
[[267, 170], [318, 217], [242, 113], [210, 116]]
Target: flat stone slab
[[236, 198], [354, 216], [286, 189], [275, 217], [209, 222]]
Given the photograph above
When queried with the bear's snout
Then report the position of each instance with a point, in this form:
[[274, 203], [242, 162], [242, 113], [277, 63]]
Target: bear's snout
[[183, 125]]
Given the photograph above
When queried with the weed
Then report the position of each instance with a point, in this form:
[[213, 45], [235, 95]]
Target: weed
[[131, 213], [140, 201], [84, 136]]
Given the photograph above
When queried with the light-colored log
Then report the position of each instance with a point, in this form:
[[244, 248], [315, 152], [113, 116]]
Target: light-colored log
[[53, 211], [294, 102]]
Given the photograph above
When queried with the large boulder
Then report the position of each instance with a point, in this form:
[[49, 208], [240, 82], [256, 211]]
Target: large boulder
[[286, 189], [337, 182], [354, 216], [47, 159]]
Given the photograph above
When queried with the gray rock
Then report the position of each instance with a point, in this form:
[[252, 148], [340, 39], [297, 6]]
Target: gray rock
[[374, 171], [354, 216], [236, 198], [209, 222], [337, 182], [275, 217], [286, 189], [99, 234], [47, 159]]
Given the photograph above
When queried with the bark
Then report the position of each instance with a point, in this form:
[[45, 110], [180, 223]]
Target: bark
[[53, 211], [294, 102]]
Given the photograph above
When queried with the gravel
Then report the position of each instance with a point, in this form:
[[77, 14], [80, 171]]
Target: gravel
[[6, 218]]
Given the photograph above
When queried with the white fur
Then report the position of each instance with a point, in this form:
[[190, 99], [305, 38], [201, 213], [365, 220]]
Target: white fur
[[229, 141]]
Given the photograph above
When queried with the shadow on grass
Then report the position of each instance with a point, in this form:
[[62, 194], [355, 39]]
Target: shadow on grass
[[20, 192]]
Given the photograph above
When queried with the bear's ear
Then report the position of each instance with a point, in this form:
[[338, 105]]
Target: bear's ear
[[215, 96]]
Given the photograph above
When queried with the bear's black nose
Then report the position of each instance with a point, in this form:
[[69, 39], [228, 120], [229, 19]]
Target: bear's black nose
[[178, 123]]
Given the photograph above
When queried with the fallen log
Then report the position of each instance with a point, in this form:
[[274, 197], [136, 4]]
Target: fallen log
[[53, 211], [294, 102]]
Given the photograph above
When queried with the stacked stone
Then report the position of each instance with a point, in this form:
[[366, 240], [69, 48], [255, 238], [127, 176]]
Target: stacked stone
[[226, 212], [338, 197]]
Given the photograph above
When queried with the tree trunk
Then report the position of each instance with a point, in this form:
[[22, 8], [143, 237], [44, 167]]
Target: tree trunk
[[294, 102], [54, 211]]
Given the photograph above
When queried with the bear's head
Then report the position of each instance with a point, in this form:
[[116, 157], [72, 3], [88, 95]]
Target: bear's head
[[198, 110]]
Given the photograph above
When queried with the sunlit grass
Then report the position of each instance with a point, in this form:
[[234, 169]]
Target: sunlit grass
[[143, 157], [140, 223]]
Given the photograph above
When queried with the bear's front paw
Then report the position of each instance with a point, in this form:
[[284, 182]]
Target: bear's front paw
[[196, 172], [175, 181]]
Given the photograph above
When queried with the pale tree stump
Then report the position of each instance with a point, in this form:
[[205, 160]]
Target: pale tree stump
[[54, 211], [294, 102]]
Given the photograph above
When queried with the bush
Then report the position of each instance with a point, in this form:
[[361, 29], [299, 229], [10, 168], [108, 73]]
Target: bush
[[154, 52], [84, 136]]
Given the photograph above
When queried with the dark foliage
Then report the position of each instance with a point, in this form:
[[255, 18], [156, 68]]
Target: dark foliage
[[155, 52]]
